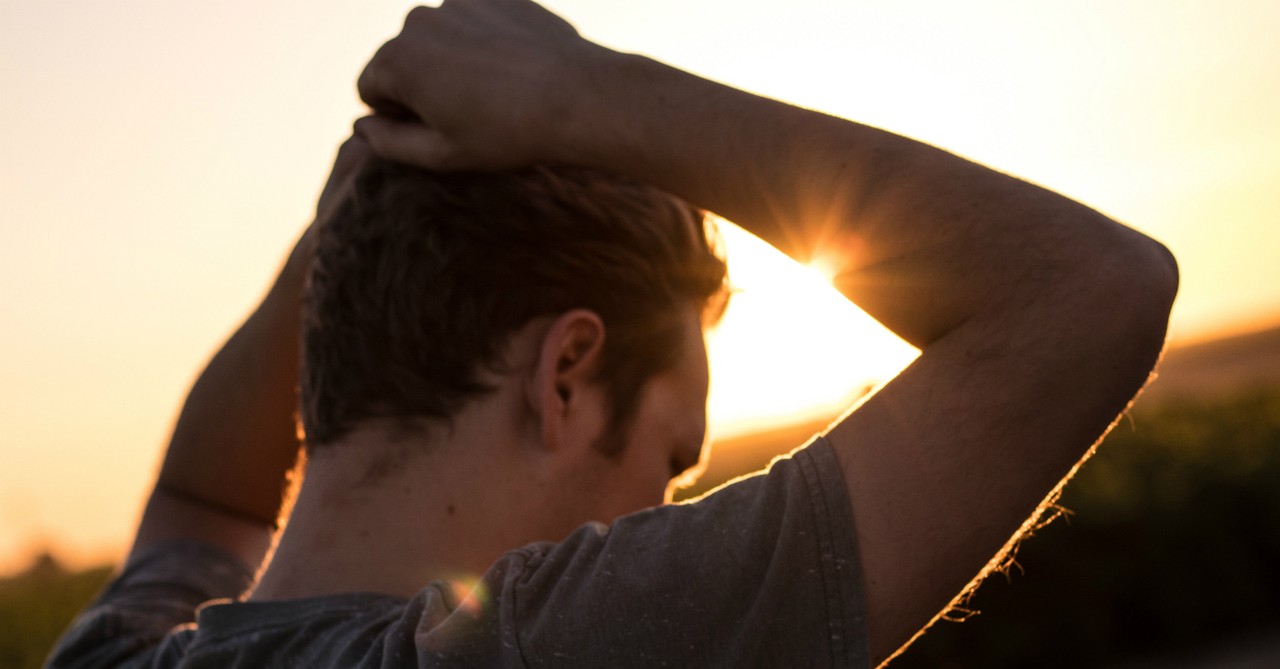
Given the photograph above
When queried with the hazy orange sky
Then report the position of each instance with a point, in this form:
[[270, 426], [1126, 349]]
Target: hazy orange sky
[[158, 158]]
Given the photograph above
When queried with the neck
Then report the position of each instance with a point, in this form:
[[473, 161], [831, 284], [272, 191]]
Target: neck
[[384, 515]]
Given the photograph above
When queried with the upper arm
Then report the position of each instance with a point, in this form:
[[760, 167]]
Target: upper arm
[[946, 463]]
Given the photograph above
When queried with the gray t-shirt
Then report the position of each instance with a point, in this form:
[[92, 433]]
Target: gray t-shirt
[[761, 573]]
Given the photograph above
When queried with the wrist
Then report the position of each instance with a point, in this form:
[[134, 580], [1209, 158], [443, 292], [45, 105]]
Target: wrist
[[601, 122]]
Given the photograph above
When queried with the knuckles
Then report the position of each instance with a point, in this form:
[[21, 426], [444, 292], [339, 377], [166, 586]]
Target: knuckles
[[418, 15], [376, 84]]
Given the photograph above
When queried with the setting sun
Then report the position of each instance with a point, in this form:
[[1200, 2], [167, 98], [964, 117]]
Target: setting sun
[[790, 347]]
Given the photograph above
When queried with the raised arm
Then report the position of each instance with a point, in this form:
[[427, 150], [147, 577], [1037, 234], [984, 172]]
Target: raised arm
[[1038, 317], [225, 470]]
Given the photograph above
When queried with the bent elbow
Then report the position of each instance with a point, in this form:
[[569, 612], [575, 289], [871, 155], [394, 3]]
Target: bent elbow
[[1154, 281], [1170, 276], [1134, 295]]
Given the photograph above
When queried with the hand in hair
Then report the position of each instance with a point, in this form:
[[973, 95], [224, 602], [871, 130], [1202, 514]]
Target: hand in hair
[[474, 85]]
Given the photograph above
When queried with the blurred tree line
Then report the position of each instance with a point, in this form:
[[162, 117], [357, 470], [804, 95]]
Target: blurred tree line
[[1172, 545], [1173, 541], [37, 605]]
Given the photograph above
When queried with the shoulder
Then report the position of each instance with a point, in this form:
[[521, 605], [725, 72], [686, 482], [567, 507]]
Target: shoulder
[[147, 610], [765, 567]]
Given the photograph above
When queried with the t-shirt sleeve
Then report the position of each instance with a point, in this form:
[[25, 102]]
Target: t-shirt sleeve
[[763, 572], [158, 591]]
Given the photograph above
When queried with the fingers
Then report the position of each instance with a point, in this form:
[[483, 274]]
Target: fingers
[[381, 84], [407, 141], [394, 131], [376, 85], [473, 84]]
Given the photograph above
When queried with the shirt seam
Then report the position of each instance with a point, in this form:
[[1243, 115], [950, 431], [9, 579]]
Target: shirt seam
[[838, 617]]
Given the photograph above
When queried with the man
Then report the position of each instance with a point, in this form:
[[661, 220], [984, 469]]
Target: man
[[436, 528]]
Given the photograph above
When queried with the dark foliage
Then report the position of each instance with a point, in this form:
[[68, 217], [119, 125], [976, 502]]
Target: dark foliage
[[36, 606], [1173, 543]]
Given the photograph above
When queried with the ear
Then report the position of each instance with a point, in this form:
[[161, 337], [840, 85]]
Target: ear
[[563, 391]]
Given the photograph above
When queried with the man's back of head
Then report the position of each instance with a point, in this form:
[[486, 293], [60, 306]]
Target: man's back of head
[[421, 277]]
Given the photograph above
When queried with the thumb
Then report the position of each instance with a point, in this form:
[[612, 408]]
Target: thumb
[[407, 141]]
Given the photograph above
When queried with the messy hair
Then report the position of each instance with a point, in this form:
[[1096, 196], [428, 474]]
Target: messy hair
[[420, 278]]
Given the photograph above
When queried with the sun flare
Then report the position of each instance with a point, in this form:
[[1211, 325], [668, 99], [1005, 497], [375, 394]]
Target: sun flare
[[790, 347]]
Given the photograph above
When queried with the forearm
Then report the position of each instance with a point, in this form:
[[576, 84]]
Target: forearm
[[922, 239], [236, 435], [235, 439], [224, 475]]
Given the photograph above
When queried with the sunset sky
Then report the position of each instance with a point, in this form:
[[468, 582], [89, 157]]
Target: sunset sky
[[158, 159]]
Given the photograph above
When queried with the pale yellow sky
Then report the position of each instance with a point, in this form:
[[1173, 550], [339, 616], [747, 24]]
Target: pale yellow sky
[[159, 157]]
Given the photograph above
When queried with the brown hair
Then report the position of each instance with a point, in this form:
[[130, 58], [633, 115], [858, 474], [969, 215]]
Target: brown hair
[[420, 278]]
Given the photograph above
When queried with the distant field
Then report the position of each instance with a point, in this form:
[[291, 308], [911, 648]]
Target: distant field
[[1217, 368], [36, 606], [1201, 372]]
